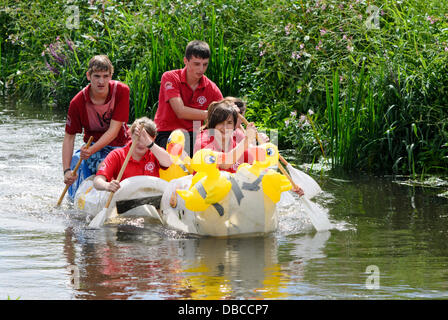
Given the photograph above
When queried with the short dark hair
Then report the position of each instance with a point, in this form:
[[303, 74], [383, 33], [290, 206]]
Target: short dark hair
[[198, 49], [219, 111]]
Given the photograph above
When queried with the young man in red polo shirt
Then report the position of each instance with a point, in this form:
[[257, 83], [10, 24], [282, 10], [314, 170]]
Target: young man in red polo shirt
[[146, 159], [102, 110], [185, 95]]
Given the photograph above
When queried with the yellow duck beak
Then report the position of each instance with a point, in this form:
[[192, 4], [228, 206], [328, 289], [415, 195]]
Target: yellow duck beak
[[175, 144], [266, 155]]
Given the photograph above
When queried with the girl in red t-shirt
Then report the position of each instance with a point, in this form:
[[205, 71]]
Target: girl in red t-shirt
[[218, 135], [146, 158]]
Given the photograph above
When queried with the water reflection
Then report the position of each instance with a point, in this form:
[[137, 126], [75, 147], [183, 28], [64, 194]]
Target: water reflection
[[128, 262]]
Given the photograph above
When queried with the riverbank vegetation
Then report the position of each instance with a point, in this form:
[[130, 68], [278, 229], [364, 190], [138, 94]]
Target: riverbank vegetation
[[360, 84]]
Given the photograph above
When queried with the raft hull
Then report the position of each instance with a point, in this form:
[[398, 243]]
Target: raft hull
[[91, 201], [246, 212]]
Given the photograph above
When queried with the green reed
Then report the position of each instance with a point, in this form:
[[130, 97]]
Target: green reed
[[355, 122]]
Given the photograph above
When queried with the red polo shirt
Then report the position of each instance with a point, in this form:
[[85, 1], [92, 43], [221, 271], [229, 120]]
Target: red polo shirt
[[77, 116], [111, 166], [174, 84]]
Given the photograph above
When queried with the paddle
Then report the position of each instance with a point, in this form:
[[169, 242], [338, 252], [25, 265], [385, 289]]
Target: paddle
[[309, 186], [100, 218], [317, 216], [73, 173]]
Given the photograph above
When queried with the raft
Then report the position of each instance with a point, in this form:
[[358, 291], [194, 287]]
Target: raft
[[243, 211], [138, 196], [209, 203]]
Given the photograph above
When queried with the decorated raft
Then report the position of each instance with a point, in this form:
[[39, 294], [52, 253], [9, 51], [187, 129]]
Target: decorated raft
[[217, 203], [209, 203]]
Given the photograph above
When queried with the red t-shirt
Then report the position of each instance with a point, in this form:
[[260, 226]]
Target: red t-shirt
[[111, 166], [174, 84], [116, 107], [203, 141]]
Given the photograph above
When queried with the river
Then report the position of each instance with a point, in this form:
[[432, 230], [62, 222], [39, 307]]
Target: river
[[389, 241]]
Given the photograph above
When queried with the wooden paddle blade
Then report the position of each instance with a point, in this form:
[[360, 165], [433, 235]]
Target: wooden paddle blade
[[126, 205]]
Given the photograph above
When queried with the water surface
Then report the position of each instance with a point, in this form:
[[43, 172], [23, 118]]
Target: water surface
[[385, 227]]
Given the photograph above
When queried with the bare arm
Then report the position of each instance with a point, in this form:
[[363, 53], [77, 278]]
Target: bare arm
[[160, 153], [228, 159], [105, 139], [100, 183], [186, 113], [67, 152]]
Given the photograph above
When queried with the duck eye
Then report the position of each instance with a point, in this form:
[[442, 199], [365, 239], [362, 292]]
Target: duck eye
[[210, 159], [270, 151]]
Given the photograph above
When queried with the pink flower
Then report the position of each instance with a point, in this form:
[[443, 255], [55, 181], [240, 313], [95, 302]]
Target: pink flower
[[295, 55], [286, 123], [302, 46], [262, 53], [294, 113], [323, 31]]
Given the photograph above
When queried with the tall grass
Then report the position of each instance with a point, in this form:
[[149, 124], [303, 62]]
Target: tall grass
[[356, 123], [166, 52], [280, 55]]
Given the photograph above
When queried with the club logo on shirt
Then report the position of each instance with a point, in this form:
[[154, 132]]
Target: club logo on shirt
[[150, 166], [168, 85], [202, 100]]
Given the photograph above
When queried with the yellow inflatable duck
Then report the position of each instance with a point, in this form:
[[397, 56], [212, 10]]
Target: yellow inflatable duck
[[273, 183], [208, 186], [175, 147]]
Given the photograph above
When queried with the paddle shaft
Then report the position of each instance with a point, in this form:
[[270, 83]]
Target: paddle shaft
[[74, 172], [123, 167]]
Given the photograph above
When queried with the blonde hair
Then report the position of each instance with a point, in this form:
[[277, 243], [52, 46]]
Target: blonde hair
[[147, 123], [100, 63]]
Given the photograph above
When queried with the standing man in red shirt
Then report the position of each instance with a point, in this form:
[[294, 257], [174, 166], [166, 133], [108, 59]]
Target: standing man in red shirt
[[102, 110], [185, 95]]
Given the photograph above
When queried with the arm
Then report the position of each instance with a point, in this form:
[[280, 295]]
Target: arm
[[228, 159], [100, 183], [184, 112], [105, 139], [160, 153], [67, 152]]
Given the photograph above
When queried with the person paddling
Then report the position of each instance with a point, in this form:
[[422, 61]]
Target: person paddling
[[101, 110], [146, 159]]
